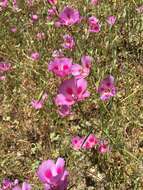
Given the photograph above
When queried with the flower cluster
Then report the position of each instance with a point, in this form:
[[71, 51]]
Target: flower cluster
[[89, 142], [4, 68]]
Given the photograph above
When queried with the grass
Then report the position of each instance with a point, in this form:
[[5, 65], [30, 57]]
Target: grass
[[27, 136]]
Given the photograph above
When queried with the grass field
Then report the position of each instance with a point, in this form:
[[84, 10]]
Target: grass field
[[28, 136]]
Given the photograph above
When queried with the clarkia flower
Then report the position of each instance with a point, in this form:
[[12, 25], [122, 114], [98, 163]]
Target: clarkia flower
[[13, 29], [6, 184], [71, 91], [69, 17], [69, 42], [94, 25], [53, 175], [82, 71], [94, 2], [25, 186], [40, 36], [103, 147], [84, 143], [35, 56], [139, 9], [4, 3], [64, 110], [38, 104], [60, 66], [111, 20], [52, 2], [51, 12], [107, 88], [4, 67], [34, 17]]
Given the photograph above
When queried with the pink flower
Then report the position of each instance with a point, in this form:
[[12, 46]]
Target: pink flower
[[103, 147], [30, 3], [111, 20], [4, 66], [40, 36], [4, 3], [57, 53], [69, 17], [82, 71], [25, 186], [94, 25], [35, 56], [52, 2], [106, 88], [140, 9], [38, 104], [90, 142], [71, 91], [60, 66], [64, 110], [78, 142], [69, 42], [53, 175], [13, 29], [34, 17], [94, 2], [6, 184], [51, 12]]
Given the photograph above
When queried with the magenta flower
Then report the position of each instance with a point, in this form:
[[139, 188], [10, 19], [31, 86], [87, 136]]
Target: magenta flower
[[3, 3], [60, 66], [94, 25], [82, 71], [6, 184], [4, 67], [111, 20], [38, 104], [78, 142], [106, 88], [71, 91], [69, 17], [52, 2], [34, 17], [51, 12], [64, 110], [25, 186], [69, 42], [53, 175], [35, 56], [103, 147]]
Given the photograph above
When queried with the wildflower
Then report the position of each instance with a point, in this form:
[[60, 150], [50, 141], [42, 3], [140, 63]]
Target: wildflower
[[60, 66], [71, 91], [4, 3], [53, 175], [25, 186], [35, 56], [40, 36], [13, 29], [94, 25], [111, 20], [29, 3], [83, 143], [57, 53], [52, 2], [6, 184], [106, 88], [64, 110], [140, 9], [82, 71], [38, 104], [34, 17], [103, 147], [4, 66], [69, 42], [94, 2], [69, 17]]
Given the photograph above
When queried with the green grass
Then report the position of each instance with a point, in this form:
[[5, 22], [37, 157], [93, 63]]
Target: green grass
[[27, 136]]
